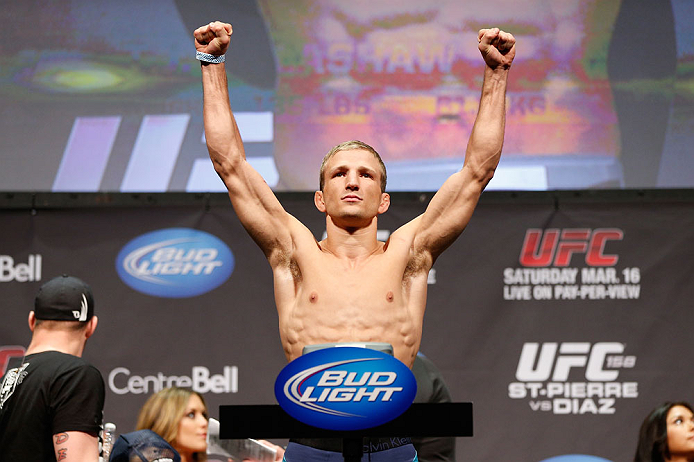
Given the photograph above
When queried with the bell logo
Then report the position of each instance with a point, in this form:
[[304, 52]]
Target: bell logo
[[542, 249]]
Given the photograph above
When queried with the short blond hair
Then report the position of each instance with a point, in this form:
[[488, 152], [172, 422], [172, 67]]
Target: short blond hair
[[162, 412], [50, 324], [350, 146]]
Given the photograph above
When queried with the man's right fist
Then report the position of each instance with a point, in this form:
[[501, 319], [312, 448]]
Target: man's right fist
[[213, 38]]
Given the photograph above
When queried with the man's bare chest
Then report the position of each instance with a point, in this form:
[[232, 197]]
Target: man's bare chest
[[358, 274]]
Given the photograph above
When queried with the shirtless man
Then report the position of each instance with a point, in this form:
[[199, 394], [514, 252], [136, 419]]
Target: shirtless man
[[350, 287]]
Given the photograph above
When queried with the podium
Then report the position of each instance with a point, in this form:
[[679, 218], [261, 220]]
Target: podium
[[419, 420]]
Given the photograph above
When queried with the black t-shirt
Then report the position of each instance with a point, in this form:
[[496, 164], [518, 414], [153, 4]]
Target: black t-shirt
[[45, 394]]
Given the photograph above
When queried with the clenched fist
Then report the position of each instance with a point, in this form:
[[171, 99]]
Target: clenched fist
[[498, 48], [213, 39]]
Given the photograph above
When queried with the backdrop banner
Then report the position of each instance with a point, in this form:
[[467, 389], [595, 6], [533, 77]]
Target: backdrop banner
[[564, 317], [91, 104]]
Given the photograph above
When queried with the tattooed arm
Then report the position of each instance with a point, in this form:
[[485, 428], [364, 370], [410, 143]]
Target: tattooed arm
[[76, 447]]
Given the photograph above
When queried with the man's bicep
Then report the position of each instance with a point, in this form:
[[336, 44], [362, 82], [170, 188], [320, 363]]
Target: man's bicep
[[259, 210], [448, 213], [76, 447]]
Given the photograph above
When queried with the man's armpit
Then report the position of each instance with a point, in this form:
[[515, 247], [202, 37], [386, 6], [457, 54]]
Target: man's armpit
[[418, 264]]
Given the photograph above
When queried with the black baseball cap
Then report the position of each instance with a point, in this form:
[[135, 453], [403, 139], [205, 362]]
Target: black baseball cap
[[64, 298], [143, 445]]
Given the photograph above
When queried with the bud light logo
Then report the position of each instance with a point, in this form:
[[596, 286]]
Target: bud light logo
[[175, 263], [345, 388]]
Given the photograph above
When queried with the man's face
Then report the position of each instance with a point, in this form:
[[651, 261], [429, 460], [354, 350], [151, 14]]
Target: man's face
[[352, 188]]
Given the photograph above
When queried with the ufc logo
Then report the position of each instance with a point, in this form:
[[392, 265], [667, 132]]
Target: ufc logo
[[7, 353], [556, 247], [571, 354]]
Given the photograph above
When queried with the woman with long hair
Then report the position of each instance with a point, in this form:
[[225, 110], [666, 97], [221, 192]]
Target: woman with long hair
[[667, 434], [179, 415]]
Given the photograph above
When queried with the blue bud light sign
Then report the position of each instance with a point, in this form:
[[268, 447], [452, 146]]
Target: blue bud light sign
[[345, 388], [175, 263]]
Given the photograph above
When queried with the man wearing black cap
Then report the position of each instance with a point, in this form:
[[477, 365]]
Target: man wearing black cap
[[51, 403]]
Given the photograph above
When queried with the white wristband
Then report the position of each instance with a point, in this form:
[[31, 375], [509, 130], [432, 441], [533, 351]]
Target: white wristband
[[208, 58]]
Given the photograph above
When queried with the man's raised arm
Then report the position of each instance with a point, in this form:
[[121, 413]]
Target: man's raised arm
[[254, 202], [451, 207]]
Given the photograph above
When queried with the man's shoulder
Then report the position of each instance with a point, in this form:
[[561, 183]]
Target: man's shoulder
[[299, 231], [54, 356], [301, 241], [408, 231], [61, 363]]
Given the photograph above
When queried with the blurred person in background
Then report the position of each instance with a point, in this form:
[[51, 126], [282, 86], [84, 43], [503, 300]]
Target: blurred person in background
[[667, 434], [179, 415]]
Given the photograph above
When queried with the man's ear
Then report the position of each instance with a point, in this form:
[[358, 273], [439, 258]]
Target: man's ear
[[91, 326], [385, 203], [31, 321], [319, 201]]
